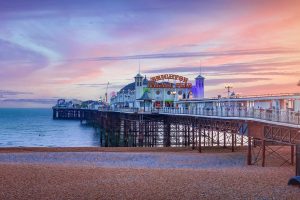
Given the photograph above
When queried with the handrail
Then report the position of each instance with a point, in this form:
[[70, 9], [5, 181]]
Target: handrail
[[283, 116]]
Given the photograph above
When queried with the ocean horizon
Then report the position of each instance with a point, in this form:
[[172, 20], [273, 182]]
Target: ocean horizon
[[34, 127]]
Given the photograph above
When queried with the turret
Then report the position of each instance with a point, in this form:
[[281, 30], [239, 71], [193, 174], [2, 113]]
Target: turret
[[138, 86], [199, 87]]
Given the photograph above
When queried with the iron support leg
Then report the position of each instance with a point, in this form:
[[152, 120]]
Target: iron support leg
[[200, 141], [232, 142], [249, 156], [263, 153], [292, 154]]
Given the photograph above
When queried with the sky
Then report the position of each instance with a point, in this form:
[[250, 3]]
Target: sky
[[70, 49]]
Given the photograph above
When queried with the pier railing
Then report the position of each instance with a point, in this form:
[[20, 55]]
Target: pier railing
[[282, 116], [285, 116]]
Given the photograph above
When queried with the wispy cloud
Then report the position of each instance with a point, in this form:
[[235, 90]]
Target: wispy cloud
[[92, 84], [17, 61], [212, 82], [255, 66], [37, 101], [4, 93], [193, 54]]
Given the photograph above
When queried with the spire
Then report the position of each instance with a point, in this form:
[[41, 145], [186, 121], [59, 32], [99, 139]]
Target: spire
[[139, 66], [200, 72], [200, 69], [139, 73]]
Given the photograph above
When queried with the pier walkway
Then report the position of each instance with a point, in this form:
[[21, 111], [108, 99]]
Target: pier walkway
[[276, 117]]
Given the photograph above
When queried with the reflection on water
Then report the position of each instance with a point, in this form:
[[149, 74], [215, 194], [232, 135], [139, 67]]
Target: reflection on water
[[36, 128]]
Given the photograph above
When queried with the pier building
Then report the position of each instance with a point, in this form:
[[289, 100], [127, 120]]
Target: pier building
[[270, 102], [172, 91], [165, 90]]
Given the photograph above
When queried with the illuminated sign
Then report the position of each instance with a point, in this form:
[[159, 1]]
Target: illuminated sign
[[169, 76], [183, 81]]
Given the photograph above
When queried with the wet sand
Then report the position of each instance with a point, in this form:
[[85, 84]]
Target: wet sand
[[110, 175]]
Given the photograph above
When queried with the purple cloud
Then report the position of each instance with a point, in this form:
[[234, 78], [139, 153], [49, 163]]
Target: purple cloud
[[37, 101], [4, 93], [195, 54], [228, 68], [16, 60], [212, 82]]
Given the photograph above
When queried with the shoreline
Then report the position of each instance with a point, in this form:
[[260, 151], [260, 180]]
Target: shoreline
[[119, 149]]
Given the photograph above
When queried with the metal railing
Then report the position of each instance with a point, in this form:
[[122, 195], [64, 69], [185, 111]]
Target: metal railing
[[129, 110], [283, 116]]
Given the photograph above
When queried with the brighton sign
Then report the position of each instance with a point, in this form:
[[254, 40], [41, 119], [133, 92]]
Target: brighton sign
[[183, 81]]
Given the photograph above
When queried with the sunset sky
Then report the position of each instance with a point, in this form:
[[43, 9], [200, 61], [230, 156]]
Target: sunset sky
[[53, 49]]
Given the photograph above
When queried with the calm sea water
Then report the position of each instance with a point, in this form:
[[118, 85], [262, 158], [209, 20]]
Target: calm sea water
[[36, 128]]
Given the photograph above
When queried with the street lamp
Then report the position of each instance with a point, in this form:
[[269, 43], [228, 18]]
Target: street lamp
[[228, 87]]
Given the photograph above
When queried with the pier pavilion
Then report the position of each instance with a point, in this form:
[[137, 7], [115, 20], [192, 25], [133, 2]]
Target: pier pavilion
[[165, 90]]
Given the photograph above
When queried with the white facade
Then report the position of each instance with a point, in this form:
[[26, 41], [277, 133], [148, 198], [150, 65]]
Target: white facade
[[129, 95], [297, 105], [275, 102]]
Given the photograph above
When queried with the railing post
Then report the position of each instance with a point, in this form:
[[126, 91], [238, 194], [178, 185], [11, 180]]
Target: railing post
[[221, 111], [260, 113]]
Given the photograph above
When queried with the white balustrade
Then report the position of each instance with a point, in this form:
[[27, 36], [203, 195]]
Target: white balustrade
[[285, 116]]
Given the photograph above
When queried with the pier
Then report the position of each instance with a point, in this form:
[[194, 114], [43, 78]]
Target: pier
[[195, 128]]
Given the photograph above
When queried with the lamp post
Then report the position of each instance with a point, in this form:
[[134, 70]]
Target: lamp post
[[173, 92], [228, 87]]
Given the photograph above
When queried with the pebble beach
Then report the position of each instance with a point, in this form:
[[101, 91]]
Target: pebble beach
[[124, 173]]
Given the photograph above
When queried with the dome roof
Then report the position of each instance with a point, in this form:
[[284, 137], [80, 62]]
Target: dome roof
[[138, 76], [127, 88], [199, 77], [145, 97], [145, 81]]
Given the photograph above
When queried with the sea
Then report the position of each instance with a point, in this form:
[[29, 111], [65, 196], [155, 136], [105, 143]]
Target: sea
[[27, 127]]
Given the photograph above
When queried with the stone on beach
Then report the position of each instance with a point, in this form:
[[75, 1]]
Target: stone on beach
[[106, 179]]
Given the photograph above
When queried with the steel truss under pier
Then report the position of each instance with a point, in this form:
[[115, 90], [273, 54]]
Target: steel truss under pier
[[149, 130], [273, 142], [198, 132]]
